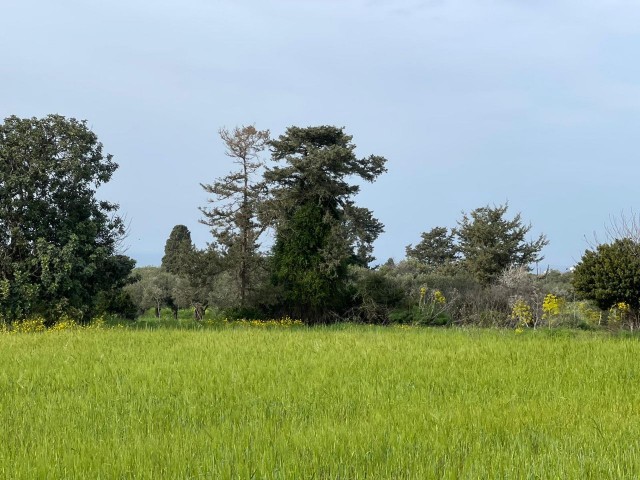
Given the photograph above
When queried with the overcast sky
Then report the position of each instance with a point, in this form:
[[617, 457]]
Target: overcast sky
[[473, 102]]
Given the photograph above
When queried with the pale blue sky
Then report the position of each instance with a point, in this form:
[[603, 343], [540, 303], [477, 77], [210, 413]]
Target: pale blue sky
[[473, 102]]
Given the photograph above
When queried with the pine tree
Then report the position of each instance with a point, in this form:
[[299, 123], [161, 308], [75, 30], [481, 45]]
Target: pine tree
[[490, 243], [236, 199], [319, 229], [437, 248]]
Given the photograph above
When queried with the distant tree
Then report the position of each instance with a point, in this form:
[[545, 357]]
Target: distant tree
[[196, 286], [319, 229], [236, 198], [178, 251], [57, 239], [195, 271], [557, 283], [436, 249], [153, 288], [490, 243], [610, 274]]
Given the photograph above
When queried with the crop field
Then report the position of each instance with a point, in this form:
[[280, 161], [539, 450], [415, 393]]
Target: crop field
[[343, 402]]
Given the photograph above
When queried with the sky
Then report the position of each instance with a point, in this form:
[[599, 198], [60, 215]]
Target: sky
[[473, 102]]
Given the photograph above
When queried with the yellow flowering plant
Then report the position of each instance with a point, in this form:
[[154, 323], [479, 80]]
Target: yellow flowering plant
[[439, 298], [432, 308], [618, 314], [522, 314], [552, 307]]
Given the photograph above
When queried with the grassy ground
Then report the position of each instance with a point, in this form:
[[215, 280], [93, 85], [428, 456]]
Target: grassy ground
[[351, 402]]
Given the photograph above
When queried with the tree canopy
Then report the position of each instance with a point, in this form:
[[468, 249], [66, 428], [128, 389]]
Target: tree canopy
[[437, 248], [319, 228], [490, 243], [610, 274], [58, 242]]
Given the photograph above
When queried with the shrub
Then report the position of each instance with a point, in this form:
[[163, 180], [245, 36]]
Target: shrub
[[552, 308], [374, 294], [610, 274], [521, 314]]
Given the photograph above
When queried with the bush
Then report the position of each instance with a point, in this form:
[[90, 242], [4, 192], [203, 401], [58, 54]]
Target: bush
[[116, 302], [610, 274], [374, 295]]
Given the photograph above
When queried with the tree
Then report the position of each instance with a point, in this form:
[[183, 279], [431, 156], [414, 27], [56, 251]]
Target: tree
[[610, 274], [490, 243], [56, 238], [196, 286], [178, 251], [319, 229], [195, 272], [153, 288], [436, 249], [237, 197]]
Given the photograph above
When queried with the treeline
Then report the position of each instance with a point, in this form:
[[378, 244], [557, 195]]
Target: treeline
[[60, 252], [305, 199]]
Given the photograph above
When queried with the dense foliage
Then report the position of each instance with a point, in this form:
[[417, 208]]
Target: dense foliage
[[178, 251], [60, 256], [58, 242], [437, 248], [610, 274], [187, 277], [319, 229], [490, 243], [484, 243]]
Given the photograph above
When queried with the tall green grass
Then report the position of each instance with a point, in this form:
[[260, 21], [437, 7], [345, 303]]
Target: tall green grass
[[357, 402]]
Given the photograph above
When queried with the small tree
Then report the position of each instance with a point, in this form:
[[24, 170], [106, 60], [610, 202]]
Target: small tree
[[236, 199], [153, 288], [490, 243], [196, 285], [437, 248]]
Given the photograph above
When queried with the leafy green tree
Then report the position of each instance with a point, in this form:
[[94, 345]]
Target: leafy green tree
[[57, 239], [178, 251], [437, 248], [237, 198], [319, 229], [490, 243], [610, 274]]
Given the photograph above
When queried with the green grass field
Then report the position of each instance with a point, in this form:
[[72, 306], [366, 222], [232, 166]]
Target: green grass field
[[346, 402]]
